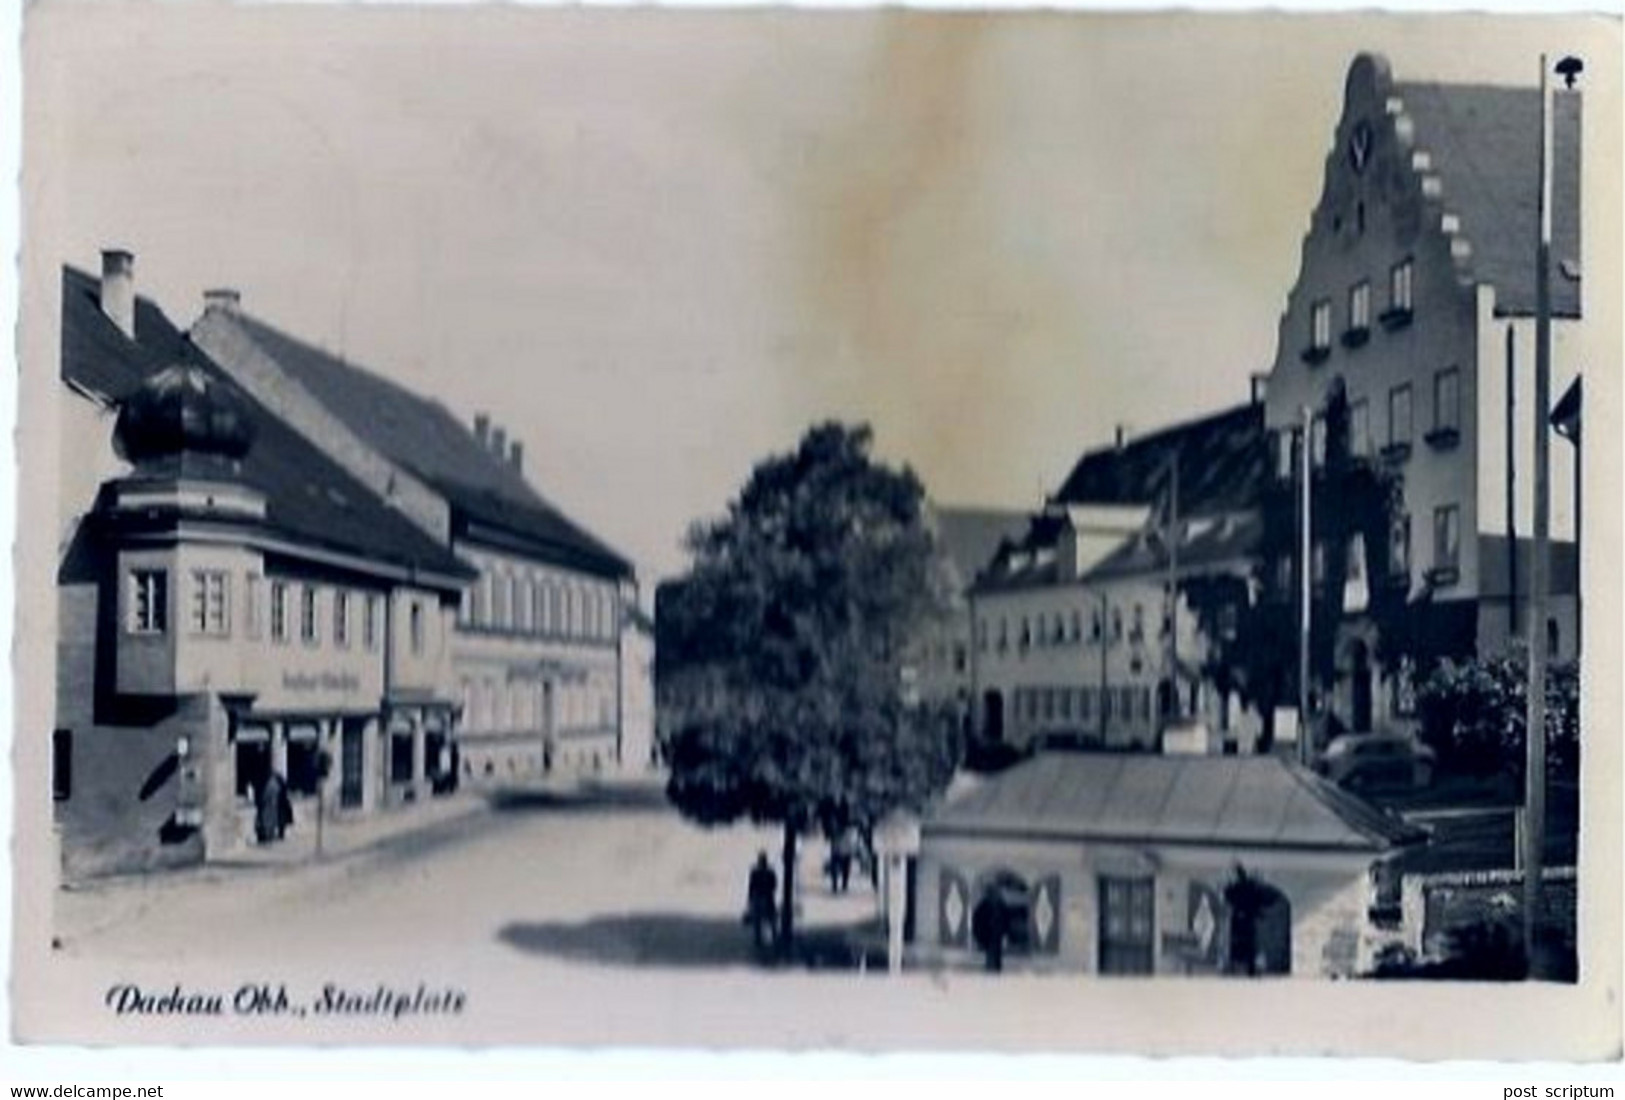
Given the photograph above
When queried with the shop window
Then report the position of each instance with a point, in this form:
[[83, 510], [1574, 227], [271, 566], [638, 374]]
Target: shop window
[[149, 601], [279, 611], [303, 751], [1127, 925], [309, 629], [251, 761], [210, 600], [61, 765], [341, 619]]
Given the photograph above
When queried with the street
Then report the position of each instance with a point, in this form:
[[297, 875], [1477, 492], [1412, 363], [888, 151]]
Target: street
[[616, 880]]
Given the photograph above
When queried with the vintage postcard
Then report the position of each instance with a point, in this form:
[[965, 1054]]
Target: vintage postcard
[[794, 529]]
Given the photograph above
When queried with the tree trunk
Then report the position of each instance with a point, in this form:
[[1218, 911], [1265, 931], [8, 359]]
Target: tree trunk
[[787, 904]]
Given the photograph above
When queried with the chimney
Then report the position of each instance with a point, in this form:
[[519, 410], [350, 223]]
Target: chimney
[[499, 443], [1260, 387], [118, 289], [224, 298], [516, 455], [482, 429]]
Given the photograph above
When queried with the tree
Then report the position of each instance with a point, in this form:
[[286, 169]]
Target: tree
[[799, 612], [1252, 622], [1474, 714]]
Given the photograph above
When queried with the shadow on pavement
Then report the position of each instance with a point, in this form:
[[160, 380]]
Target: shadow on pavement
[[675, 939], [586, 798]]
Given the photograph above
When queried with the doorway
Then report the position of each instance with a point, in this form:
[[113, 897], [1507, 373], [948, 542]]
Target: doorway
[[351, 749], [1362, 688], [993, 716]]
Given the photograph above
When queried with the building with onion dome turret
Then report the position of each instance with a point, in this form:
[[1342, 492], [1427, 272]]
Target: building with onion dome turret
[[232, 605]]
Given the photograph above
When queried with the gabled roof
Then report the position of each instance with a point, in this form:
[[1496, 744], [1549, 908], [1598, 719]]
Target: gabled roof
[[1223, 461], [1483, 142], [308, 497], [1227, 801], [490, 499], [971, 536]]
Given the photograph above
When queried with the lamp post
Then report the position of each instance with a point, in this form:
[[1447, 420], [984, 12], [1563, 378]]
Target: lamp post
[[1534, 834], [1305, 583]]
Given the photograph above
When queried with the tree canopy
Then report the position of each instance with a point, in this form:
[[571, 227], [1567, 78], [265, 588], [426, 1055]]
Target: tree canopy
[[799, 616]]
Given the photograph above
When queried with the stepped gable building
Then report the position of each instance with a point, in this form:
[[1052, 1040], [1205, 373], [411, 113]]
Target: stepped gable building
[[1416, 294], [537, 651], [1074, 641], [231, 603]]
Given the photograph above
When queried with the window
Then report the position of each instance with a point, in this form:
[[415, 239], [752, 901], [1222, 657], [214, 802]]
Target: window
[[1360, 429], [482, 600], [369, 623], [1096, 626], [252, 599], [209, 601], [1026, 632], [1057, 629], [61, 765], [1127, 909], [1004, 635], [149, 601], [569, 625], [1551, 638], [538, 614], [401, 762], [1139, 622], [1320, 325], [1446, 537], [1399, 548], [279, 611], [1077, 626], [1125, 704], [1399, 288], [465, 608], [1399, 416], [961, 657], [1086, 703], [1117, 624], [1105, 704], [1286, 441], [523, 608], [1066, 704], [1317, 442], [981, 635], [1359, 308], [1446, 405], [308, 630], [415, 626], [341, 619], [1049, 704]]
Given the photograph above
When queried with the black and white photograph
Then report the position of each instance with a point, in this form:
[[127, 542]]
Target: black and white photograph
[[866, 529]]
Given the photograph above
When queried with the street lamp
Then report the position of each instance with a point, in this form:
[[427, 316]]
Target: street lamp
[[1534, 834]]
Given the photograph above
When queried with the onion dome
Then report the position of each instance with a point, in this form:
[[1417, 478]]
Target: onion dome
[[183, 410]]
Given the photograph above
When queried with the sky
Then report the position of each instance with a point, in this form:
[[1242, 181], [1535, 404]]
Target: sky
[[656, 246]]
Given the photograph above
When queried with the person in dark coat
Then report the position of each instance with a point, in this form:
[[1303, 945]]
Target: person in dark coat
[[761, 910], [273, 810]]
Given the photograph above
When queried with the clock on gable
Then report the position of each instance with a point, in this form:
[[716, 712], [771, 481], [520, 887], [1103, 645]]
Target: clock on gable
[[1360, 146]]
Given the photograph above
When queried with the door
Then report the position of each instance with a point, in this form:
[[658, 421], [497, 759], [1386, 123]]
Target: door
[[351, 748], [993, 716], [1127, 925]]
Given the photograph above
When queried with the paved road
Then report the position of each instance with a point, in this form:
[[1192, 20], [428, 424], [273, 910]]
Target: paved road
[[539, 878]]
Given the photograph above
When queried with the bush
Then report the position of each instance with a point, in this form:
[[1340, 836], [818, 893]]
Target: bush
[[1473, 714]]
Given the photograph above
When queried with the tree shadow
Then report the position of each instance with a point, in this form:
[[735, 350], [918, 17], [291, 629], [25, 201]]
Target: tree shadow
[[638, 939], [680, 940]]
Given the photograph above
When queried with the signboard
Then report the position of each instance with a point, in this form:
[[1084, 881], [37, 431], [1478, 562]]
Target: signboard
[[1044, 916], [1202, 938]]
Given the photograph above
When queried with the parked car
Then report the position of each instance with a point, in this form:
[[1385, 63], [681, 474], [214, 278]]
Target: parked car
[[1366, 761]]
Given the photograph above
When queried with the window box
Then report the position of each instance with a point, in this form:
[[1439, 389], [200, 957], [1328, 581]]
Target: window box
[[1354, 337], [1397, 452], [1442, 576], [1315, 356], [1396, 317], [1443, 438]]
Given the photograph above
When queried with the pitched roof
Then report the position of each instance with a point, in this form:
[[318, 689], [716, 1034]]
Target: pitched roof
[[308, 497], [1223, 460], [422, 436], [971, 536], [1233, 801], [1483, 143]]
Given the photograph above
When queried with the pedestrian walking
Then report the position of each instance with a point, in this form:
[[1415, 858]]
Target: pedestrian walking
[[761, 911], [273, 810]]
